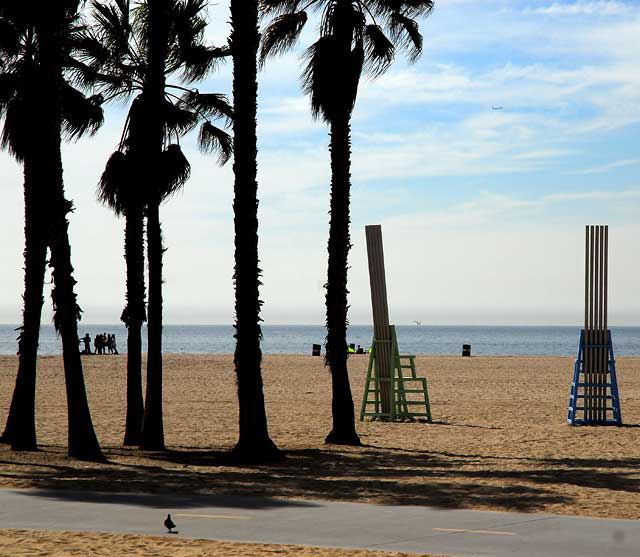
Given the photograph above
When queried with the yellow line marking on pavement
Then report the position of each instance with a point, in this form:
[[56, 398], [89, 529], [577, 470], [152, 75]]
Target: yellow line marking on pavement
[[475, 531], [214, 516]]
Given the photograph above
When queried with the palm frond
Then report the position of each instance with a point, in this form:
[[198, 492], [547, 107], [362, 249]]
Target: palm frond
[[317, 76], [80, 115], [178, 120], [114, 185], [10, 34], [340, 18], [209, 105], [214, 140], [9, 84], [278, 7], [198, 60], [187, 21], [417, 8], [16, 129], [281, 34], [92, 49], [175, 171], [406, 33], [410, 8], [379, 50], [332, 87], [112, 22], [188, 52], [356, 64]]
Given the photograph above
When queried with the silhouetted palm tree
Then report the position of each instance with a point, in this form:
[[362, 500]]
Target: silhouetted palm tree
[[254, 442], [105, 52], [118, 191], [20, 104], [165, 38], [356, 36]]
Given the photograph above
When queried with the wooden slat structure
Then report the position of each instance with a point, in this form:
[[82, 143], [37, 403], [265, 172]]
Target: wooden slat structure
[[594, 390], [379, 305], [385, 377]]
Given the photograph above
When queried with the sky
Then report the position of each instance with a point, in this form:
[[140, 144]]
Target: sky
[[482, 211]]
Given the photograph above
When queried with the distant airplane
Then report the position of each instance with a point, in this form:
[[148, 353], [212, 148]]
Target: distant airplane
[[497, 108], [418, 322]]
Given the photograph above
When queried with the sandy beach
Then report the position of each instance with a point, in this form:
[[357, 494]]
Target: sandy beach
[[499, 440], [23, 543]]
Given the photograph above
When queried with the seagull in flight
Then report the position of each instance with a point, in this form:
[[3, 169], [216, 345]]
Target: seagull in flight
[[417, 322]]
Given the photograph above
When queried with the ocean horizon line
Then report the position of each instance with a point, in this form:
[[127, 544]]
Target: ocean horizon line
[[398, 324], [299, 338]]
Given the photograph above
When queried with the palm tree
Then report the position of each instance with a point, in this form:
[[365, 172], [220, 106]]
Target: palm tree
[[117, 190], [153, 91], [254, 442], [18, 83], [50, 30], [105, 62], [356, 36], [19, 102], [166, 38]]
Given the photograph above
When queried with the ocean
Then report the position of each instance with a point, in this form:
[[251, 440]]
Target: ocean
[[298, 339]]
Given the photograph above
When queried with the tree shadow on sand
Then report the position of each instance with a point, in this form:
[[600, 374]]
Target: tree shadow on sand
[[390, 476]]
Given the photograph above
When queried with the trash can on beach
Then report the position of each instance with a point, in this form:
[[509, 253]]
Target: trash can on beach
[[315, 350], [466, 350]]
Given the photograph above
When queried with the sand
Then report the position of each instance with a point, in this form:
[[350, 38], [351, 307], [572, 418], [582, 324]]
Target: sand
[[19, 543], [499, 440]]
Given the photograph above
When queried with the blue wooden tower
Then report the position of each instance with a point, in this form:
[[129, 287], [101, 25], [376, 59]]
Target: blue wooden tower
[[594, 396]]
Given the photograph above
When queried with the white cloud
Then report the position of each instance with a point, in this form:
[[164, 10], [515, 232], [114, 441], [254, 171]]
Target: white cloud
[[625, 196], [601, 8], [606, 167]]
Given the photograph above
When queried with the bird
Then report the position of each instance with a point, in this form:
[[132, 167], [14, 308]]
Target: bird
[[169, 524], [418, 322], [497, 108]]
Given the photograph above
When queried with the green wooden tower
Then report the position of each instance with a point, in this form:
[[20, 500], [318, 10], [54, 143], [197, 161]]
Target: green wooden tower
[[408, 395]]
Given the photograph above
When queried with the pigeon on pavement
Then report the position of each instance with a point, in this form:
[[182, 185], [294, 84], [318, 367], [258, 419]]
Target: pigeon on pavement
[[169, 524]]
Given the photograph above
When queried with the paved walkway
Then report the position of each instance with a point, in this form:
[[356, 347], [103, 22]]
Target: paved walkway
[[317, 523]]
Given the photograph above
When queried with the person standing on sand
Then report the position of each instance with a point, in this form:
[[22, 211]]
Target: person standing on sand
[[97, 345], [112, 345], [87, 344]]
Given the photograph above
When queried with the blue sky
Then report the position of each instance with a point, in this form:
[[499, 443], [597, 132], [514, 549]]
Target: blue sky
[[483, 210]]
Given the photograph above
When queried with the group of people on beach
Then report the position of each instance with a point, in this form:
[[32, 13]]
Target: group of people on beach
[[351, 349], [102, 343]]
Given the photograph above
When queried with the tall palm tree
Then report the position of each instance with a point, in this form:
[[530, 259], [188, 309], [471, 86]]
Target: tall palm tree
[[18, 82], [153, 91], [254, 442], [19, 102], [118, 191], [105, 62], [356, 36], [165, 39], [50, 30]]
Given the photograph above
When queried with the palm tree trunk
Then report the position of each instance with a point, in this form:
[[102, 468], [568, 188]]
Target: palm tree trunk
[[133, 316], [254, 443], [152, 425], [20, 429], [343, 430], [82, 440]]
